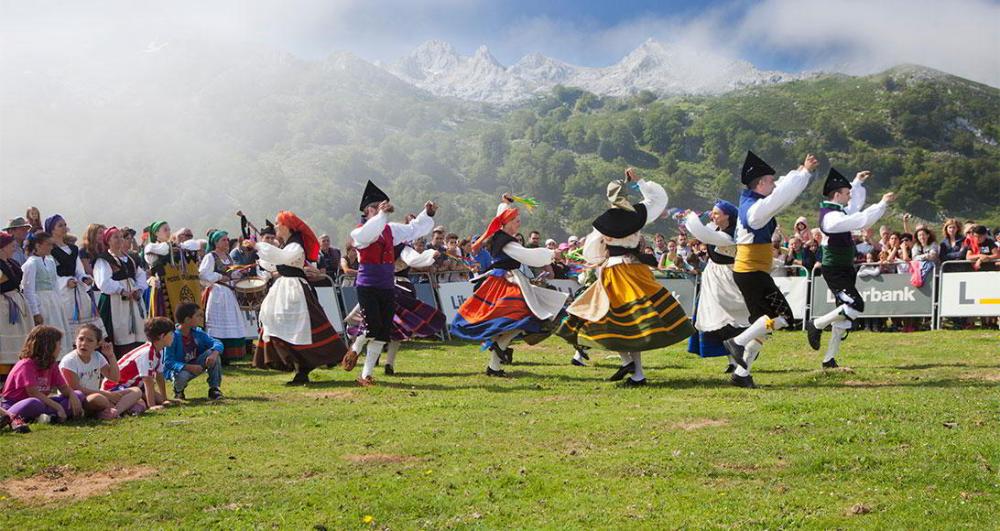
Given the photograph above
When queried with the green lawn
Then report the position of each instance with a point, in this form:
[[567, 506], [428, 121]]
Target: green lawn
[[909, 438]]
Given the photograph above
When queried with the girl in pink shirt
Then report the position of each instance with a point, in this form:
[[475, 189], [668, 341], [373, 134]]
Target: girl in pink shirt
[[26, 394]]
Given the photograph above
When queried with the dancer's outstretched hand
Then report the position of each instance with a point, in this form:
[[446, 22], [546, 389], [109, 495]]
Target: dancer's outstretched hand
[[811, 163], [431, 208], [630, 175]]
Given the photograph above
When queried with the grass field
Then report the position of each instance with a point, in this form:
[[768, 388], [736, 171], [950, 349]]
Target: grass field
[[908, 438]]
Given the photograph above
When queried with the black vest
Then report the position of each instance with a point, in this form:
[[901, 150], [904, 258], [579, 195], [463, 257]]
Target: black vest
[[398, 250], [12, 276], [500, 260], [721, 258], [65, 262], [119, 271]]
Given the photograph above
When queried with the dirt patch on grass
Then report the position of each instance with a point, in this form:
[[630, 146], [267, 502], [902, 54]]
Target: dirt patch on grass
[[985, 376], [379, 458], [860, 383], [331, 395], [62, 482], [697, 424]]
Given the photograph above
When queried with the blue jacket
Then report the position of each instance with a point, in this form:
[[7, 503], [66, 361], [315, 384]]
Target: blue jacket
[[173, 356]]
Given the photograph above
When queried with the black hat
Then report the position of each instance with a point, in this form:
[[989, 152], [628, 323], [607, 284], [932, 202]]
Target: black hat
[[372, 195], [754, 167], [268, 228], [619, 223], [835, 181]]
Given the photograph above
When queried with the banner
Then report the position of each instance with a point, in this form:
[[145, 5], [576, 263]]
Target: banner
[[970, 294], [568, 286], [796, 292], [683, 289], [452, 295], [328, 300], [886, 295]]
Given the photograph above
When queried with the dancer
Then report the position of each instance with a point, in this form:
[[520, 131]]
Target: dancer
[[74, 282], [506, 305], [722, 312], [763, 199], [161, 252], [840, 214], [295, 332], [625, 310], [121, 282], [375, 239]]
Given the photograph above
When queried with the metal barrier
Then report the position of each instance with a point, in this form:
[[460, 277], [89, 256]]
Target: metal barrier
[[795, 288], [885, 295], [967, 293], [685, 290]]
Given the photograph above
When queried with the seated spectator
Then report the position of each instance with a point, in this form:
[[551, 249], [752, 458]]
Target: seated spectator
[[143, 367], [349, 264], [84, 368], [329, 258], [27, 393], [192, 352], [17, 424]]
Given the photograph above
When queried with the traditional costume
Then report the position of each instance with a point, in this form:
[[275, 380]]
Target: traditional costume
[[754, 252], [837, 221], [506, 305], [40, 285], [625, 310], [224, 319], [412, 318], [722, 312], [182, 261], [79, 302], [295, 332], [375, 240], [117, 277], [15, 317]]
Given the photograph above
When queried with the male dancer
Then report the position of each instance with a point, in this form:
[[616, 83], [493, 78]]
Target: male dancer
[[374, 239], [763, 199], [839, 215]]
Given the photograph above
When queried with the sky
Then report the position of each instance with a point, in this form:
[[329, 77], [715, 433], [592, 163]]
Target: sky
[[853, 36]]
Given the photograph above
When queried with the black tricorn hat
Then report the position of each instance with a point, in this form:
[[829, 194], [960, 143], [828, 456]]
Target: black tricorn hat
[[619, 223], [754, 167], [835, 181], [373, 194]]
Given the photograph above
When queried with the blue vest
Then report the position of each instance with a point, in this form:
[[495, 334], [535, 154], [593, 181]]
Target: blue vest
[[763, 234]]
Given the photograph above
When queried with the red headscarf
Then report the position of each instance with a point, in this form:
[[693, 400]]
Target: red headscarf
[[309, 241], [498, 222], [107, 234]]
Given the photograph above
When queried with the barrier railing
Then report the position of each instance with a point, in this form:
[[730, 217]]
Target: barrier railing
[[795, 288], [885, 294], [967, 293]]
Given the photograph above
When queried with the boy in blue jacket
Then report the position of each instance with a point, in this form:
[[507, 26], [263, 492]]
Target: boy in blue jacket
[[192, 353]]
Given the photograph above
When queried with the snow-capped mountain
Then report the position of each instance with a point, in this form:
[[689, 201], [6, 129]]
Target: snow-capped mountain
[[435, 66]]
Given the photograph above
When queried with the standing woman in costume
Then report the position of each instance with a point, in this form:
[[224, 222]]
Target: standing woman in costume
[[224, 320], [295, 332], [722, 312], [121, 281], [74, 282], [626, 310], [158, 253], [506, 304], [40, 285], [375, 239], [15, 317]]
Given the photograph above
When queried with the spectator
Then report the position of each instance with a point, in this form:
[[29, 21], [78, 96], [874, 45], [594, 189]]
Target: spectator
[[329, 258], [779, 253], [192, 352], [83, 369], [27, 393], [983, 250], [925, 249], [551, 244], [810, 255], [683, 247], [91, 247], [245, 253], [534, 240], [865, 243], [520, 238], [796, 257], [802, 229], [35, 219], [952, 242], [574, 243], [349, 263], [18, 228], [659, 246], [892, 253], [143, 367], [884, 233]]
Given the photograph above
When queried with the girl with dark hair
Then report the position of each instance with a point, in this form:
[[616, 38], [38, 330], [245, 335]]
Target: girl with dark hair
[[27, 391], [40, 286]]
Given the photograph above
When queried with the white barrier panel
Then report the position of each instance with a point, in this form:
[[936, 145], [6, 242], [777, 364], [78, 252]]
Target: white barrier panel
[[452, 295], [970, 294], [566, 286], [796, 292], [328, 300], [684, 290]]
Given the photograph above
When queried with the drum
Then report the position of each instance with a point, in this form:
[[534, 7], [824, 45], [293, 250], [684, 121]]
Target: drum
[[250, 293]]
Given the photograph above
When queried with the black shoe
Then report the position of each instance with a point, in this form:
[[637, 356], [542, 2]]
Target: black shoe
[[736, 351], [389, 371], [633, 383], [179, 395], [214, 394], [832, 364], [622, 371], [743, 381], [19, 425], [577, 362], [582, 351], [301, 378], [813, 334], [729, 368], [498, 374], [508, 356]]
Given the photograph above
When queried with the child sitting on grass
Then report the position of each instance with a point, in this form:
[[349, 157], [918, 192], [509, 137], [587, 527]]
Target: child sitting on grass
[[35, 376], [17, 424], [82, 369], [143, 366], [192, 353]]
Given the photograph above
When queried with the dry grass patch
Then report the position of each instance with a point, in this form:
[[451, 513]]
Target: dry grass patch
[[379, 458], [62, 482], [697, 424]]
